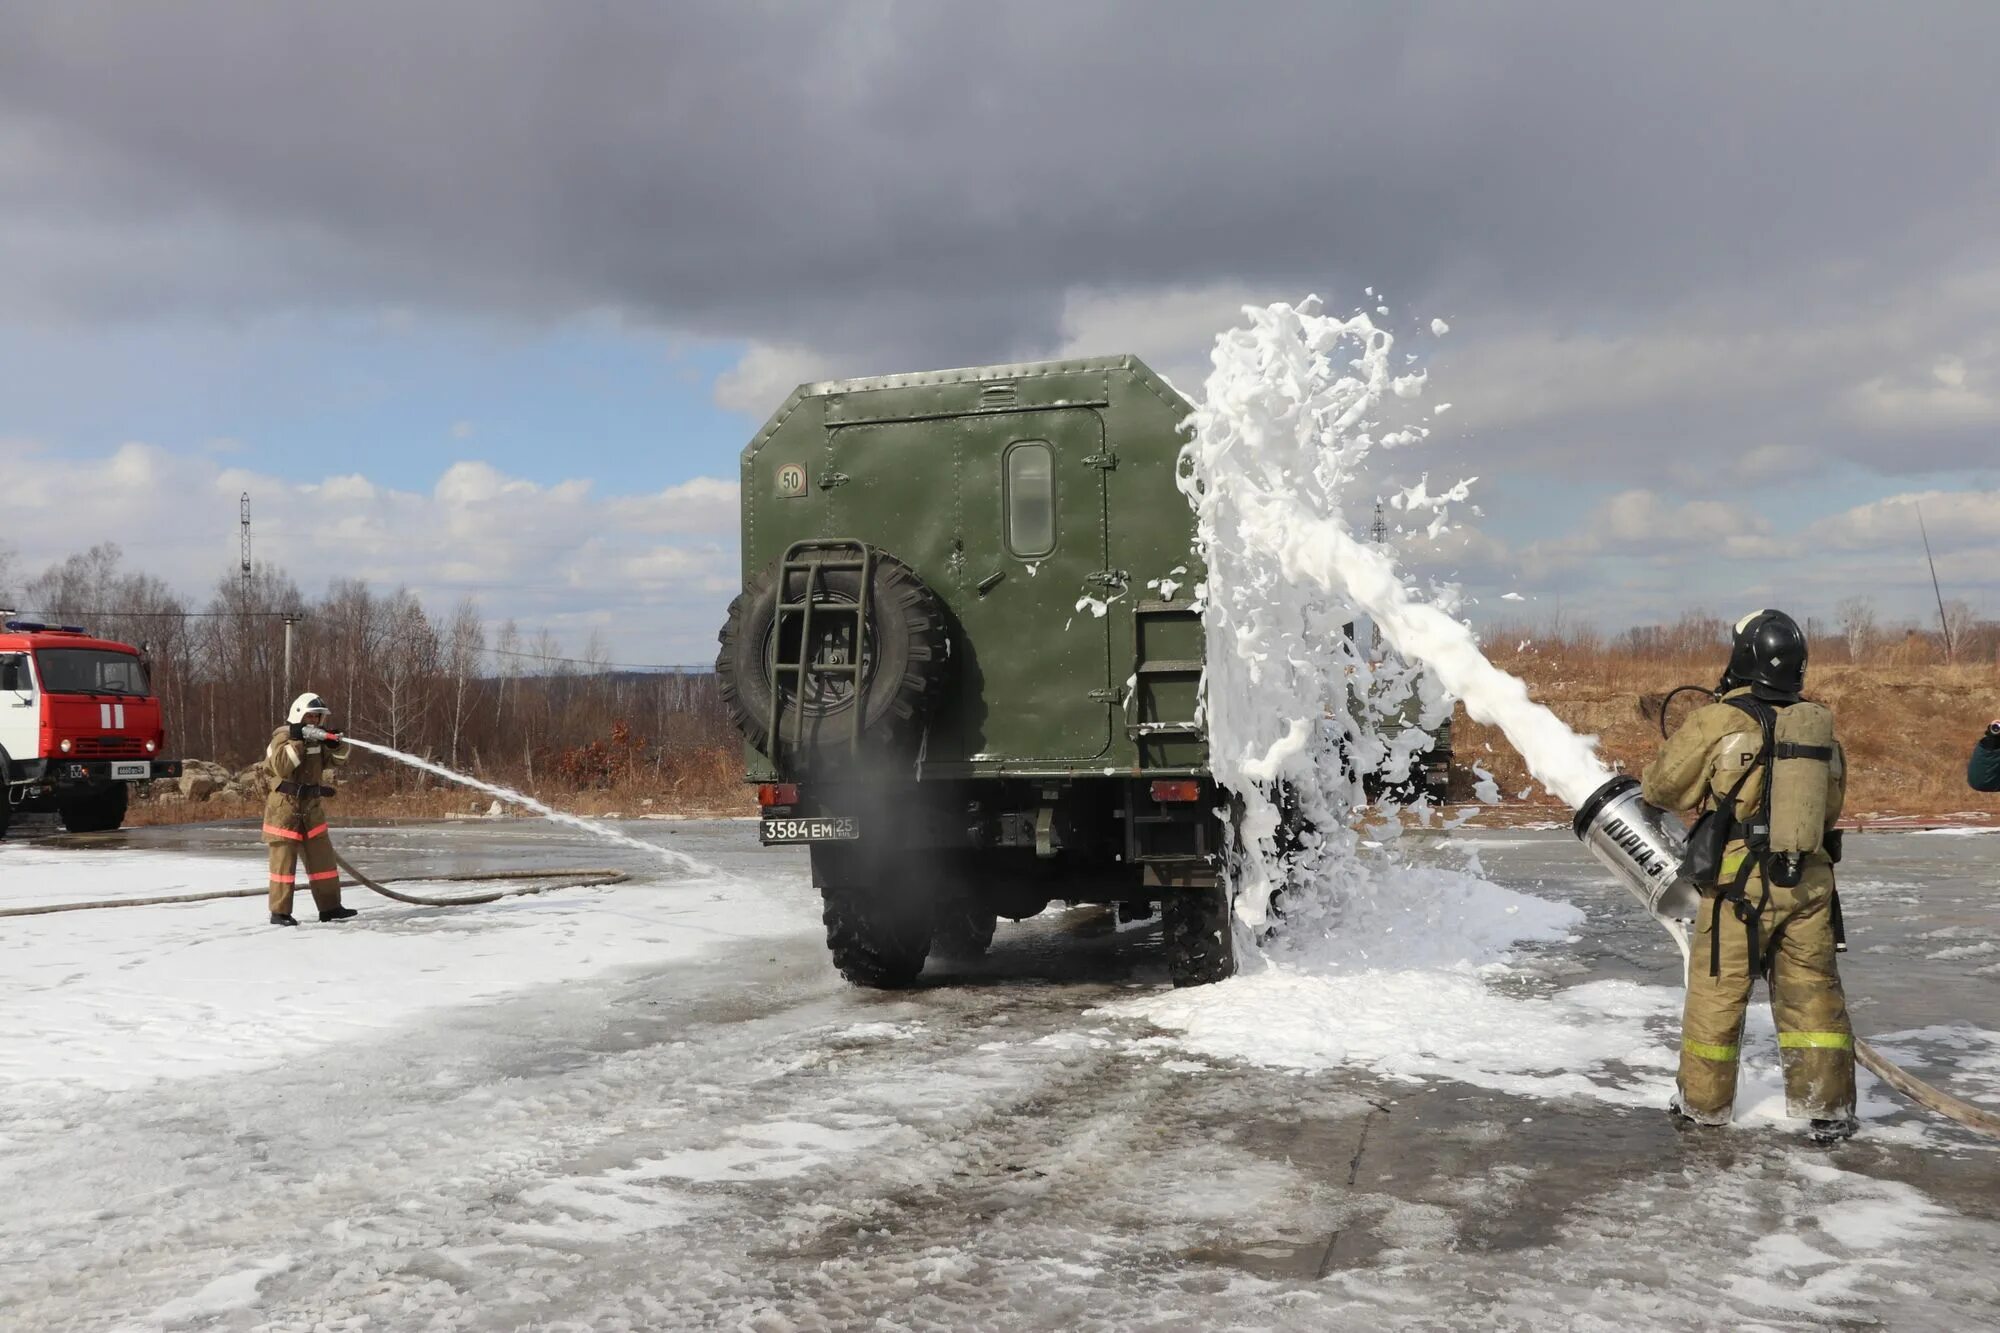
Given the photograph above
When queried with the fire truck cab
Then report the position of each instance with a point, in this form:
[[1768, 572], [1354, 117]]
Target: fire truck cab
[[79, 723]]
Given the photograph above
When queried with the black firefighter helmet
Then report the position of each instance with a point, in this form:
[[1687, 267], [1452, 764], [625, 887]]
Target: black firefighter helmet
[[1768, 655]]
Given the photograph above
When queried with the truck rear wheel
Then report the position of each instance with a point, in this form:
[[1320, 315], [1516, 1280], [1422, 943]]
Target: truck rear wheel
[[878, 932], [94, 811], [1198, 936], [904, 662]]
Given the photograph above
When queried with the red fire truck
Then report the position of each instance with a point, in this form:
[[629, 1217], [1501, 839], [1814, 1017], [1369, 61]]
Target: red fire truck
[[79, 723]]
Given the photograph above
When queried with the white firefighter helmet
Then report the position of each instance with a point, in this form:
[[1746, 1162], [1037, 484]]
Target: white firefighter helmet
[[306, 705]]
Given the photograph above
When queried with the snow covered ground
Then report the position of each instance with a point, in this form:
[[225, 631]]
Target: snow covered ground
[[113, 999], [654, 1107]]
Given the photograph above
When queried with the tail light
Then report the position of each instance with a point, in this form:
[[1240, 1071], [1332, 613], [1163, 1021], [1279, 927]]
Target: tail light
[[778, 793], [1176, 789]]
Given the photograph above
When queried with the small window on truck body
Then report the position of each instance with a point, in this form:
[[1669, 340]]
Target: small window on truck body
[[14, 673], [1029, 498]]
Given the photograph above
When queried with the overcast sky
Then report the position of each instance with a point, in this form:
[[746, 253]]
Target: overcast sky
[[486, 297]]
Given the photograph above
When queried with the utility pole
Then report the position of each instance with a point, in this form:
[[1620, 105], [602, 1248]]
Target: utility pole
[[1944, 623], [291, 618]]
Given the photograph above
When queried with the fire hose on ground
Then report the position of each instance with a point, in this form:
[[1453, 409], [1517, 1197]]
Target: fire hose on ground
[[1644, 847], [545, 881]]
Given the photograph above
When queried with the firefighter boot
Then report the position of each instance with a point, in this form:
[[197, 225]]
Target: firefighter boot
[[338, 913], [283, 919], [1677, 1116]]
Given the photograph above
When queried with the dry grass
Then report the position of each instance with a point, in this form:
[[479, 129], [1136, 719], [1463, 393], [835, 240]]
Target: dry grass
[[1907, 729], [702, 782]]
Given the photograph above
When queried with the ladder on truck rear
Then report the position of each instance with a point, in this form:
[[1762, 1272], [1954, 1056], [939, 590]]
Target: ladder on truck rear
[[814, 560]]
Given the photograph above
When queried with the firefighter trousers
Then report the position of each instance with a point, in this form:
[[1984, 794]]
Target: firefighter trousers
[[315, 848], [1815, 1040]]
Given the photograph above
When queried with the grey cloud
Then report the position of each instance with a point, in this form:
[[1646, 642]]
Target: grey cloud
[[1684, 249], [932, 178]]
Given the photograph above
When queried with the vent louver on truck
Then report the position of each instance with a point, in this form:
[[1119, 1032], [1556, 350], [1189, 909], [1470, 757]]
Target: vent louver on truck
[[998, 395]]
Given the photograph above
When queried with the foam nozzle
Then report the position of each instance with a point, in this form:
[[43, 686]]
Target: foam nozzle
[[1641, 844]]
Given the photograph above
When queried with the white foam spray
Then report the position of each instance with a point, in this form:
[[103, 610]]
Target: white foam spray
[[1299, 413], [1293, 410], [1379, 959], [679, 860]]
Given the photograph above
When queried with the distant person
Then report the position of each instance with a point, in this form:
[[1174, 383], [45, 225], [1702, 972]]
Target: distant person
[[300, 757], [1984, 770], [1766, 770]]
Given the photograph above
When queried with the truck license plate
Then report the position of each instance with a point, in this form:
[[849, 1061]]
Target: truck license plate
[[140, 770], [836, 828]]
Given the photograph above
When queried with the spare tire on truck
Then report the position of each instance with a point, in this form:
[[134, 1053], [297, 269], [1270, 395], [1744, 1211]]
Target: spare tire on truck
[[905, 660]]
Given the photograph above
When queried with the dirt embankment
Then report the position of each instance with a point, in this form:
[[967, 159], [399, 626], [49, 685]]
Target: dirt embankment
[[1907, 730]]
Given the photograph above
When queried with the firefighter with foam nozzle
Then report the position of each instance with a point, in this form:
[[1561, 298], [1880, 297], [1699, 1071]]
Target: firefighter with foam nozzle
[[1764, 768], [1982, 772], [301, 756]]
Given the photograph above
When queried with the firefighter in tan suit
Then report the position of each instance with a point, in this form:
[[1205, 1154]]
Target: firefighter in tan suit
[[1766, 770], [300, 758]]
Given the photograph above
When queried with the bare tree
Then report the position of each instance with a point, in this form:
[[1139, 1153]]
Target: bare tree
[[94, 589], [508, 650], [10, 596], [1857, 625], [1960, 621], [406, 672], [464, 654], [83, 583], [393, 673]]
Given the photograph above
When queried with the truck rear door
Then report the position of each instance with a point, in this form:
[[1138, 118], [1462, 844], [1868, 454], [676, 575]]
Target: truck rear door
[[1031, 487], [1003, 513]]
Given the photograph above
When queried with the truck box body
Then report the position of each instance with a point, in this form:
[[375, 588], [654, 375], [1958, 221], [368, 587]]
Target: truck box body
[[1016, 493]]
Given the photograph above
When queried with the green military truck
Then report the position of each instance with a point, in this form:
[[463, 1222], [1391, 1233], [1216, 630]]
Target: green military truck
[[967, 659]]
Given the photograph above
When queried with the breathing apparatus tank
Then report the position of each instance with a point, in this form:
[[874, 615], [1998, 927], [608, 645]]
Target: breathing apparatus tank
[[1641, 844], [1802, 751]]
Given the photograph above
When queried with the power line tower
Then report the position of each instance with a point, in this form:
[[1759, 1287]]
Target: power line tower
[[246, 547], [1378, 533]]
